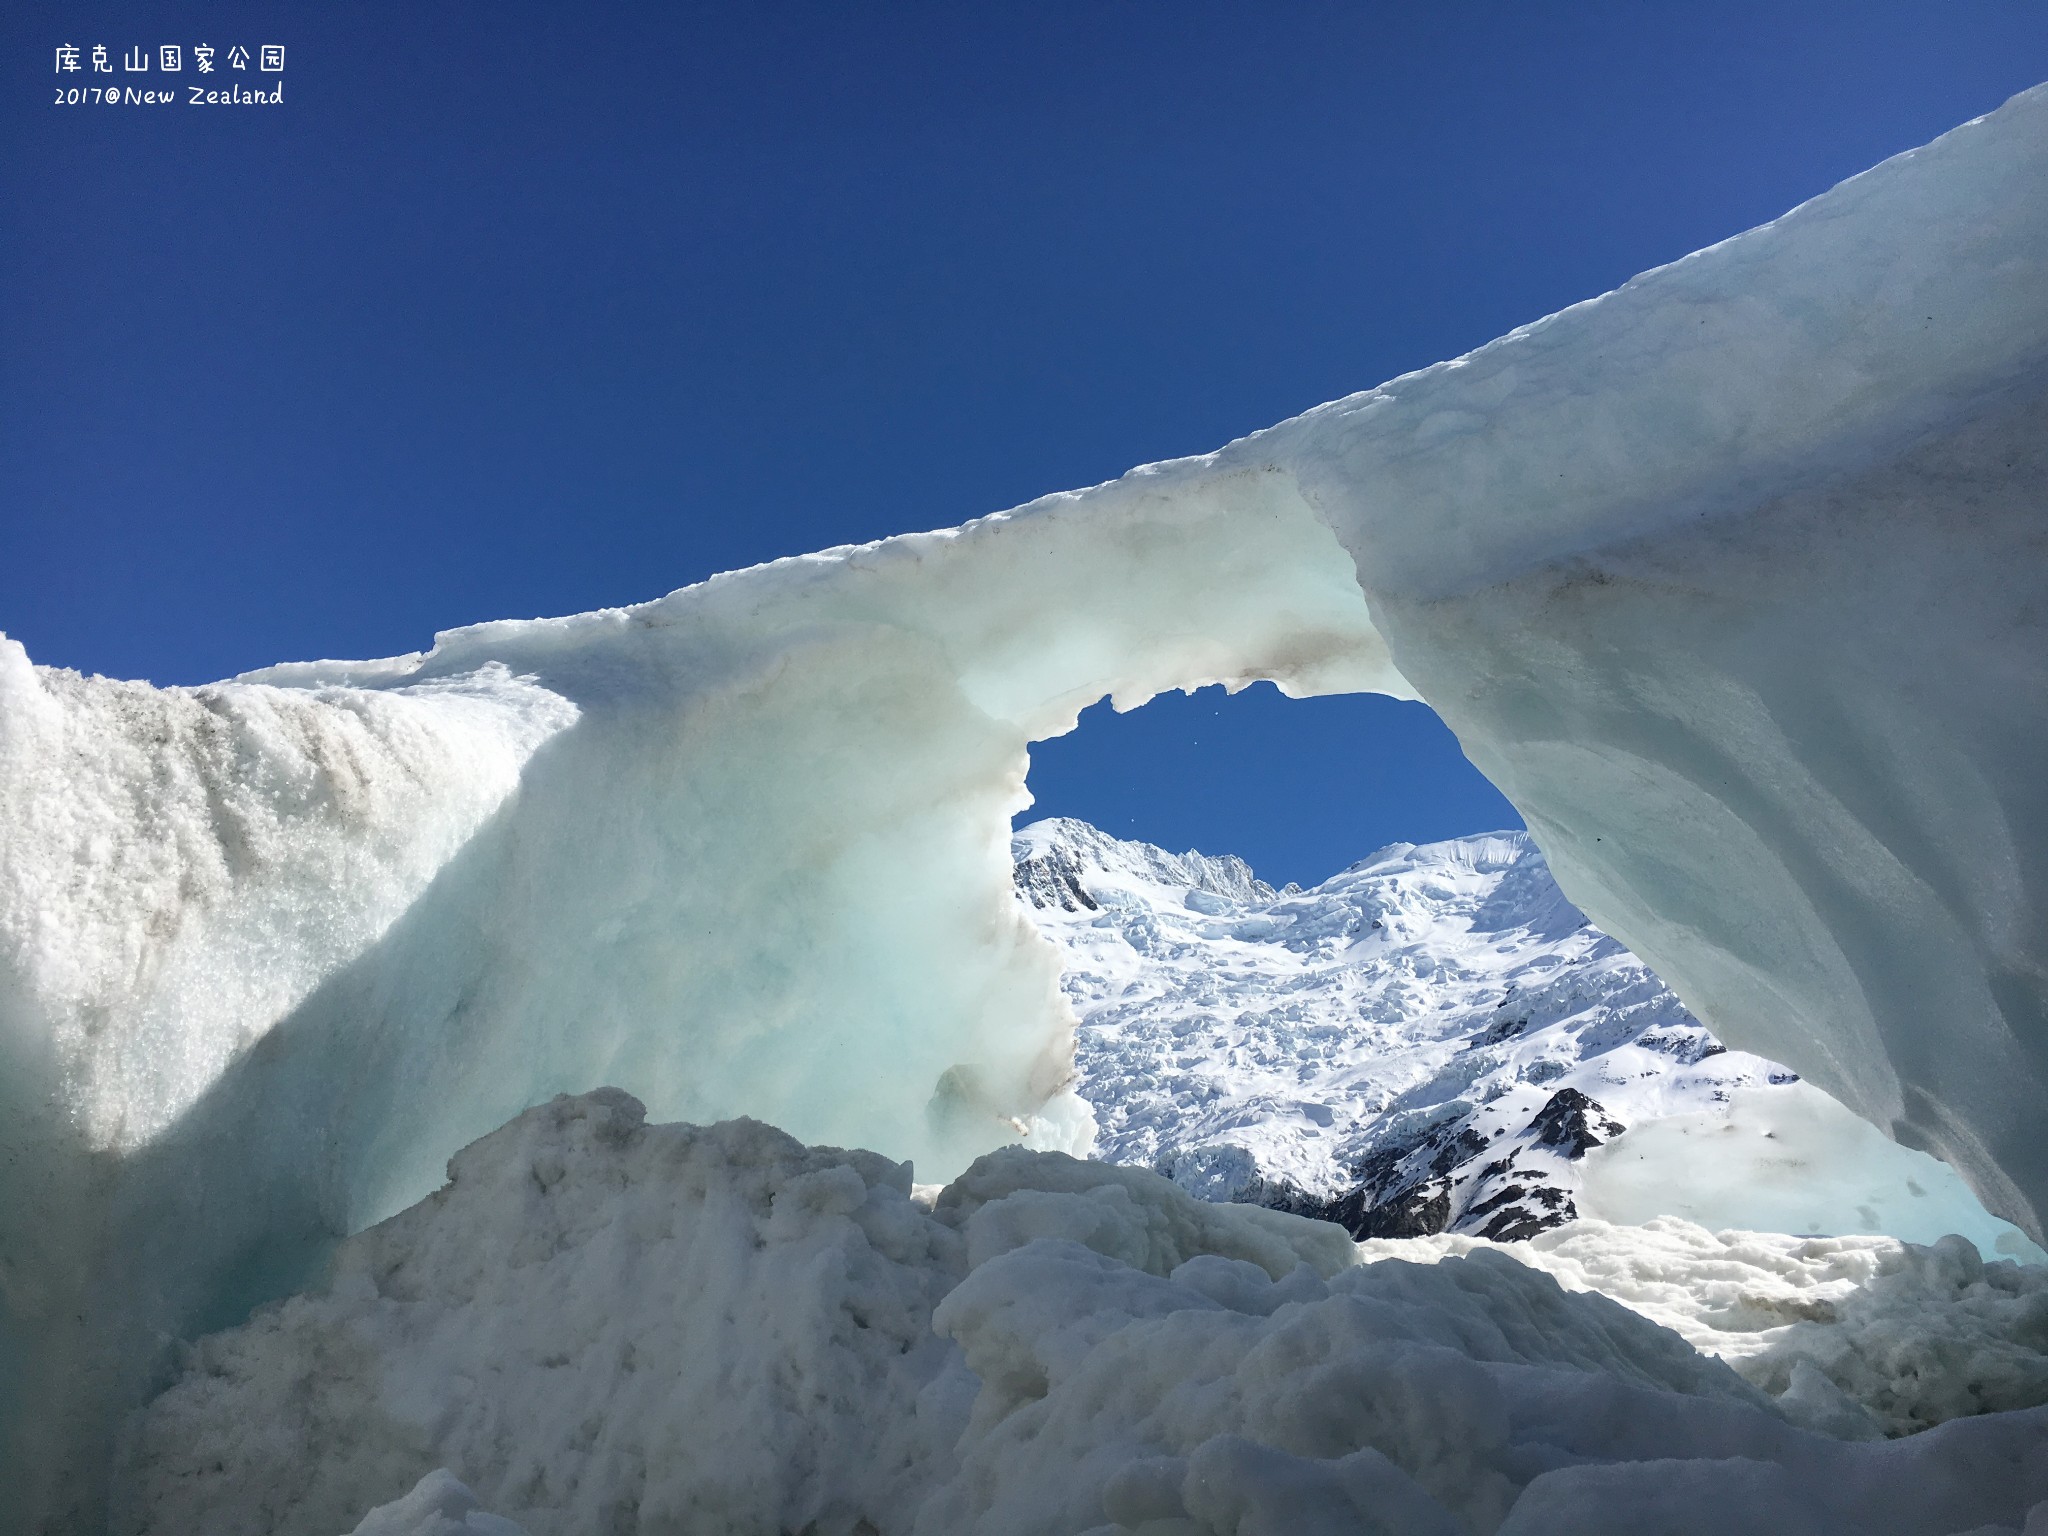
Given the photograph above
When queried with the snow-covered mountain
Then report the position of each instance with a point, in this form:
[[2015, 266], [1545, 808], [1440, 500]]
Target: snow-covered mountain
[[1429, 1041]]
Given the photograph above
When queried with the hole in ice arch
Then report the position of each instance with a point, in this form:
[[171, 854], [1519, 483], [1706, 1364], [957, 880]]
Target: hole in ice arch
[[1298, 788], [1181, 1068]]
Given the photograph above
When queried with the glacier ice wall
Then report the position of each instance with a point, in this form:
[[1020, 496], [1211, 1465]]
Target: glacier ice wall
[[271, 950], [1729, 579]]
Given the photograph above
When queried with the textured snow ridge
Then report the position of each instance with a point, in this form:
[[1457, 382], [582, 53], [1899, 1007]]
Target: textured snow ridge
[[605, 1325], [1434, 1040], [1853, 1336], [600, 1325], [438, 1506]]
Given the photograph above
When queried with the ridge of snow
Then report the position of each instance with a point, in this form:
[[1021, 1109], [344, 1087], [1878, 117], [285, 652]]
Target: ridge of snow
[[601, 1324]]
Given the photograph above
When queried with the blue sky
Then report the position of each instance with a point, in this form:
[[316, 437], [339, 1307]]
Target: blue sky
[[516, 309]]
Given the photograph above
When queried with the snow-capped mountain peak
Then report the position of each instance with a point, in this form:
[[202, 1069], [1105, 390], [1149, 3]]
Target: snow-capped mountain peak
[[1429, 1040], [1060, 845]]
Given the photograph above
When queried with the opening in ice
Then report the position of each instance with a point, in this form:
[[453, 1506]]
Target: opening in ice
[[1297, 788], [1427, 1040]]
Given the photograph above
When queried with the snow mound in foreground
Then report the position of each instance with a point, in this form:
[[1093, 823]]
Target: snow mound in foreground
[[1855, 1336], [600, 1324]]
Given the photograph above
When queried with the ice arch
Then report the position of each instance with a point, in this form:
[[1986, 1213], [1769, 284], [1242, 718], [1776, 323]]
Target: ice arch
[[1729, 579], [275, 948]]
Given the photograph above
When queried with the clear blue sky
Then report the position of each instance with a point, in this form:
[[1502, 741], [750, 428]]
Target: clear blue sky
[[517, 309]]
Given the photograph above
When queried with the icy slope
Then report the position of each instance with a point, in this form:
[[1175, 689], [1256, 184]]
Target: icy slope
[[1433, 1040], [605, 1325]]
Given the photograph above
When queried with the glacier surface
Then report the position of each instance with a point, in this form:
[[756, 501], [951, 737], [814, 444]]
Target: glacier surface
[[604, 1325], [1727, 579]]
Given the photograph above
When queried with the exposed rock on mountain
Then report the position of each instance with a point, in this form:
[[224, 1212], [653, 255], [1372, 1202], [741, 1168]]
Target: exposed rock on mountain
[[1429, 1041]]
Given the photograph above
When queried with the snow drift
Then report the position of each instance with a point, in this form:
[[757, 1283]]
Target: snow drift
[[1726, 578], [600, 1324]]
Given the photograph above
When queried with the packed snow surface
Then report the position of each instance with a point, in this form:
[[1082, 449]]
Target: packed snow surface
[[1728, 579], [1436, 1039], [438, 1506], [605, 1325], [1855, 1336]]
